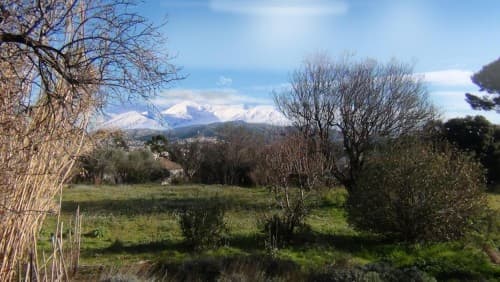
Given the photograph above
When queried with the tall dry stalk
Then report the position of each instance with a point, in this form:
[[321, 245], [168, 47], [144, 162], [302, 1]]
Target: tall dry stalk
[[59, 61], [62, 263], [37, 152]]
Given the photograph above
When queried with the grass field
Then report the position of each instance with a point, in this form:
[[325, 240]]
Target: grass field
[[127, 225]]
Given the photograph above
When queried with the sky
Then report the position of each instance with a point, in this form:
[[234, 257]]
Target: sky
[[239, 51]]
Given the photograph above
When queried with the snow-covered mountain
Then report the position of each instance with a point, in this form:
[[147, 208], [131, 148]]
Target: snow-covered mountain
[[190, 113], [131, 120]]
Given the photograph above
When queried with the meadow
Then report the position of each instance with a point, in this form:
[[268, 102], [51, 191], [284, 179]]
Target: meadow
[[134, 228]]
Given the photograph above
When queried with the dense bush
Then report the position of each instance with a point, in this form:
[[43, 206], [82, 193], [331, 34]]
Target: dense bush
[[116, 165], [480, 137], [231, 160], [372, 272], [280, 228], [203, 227], [417, 192], [140, 166]]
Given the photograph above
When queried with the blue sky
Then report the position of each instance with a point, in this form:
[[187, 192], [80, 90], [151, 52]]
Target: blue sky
[[238, 51]]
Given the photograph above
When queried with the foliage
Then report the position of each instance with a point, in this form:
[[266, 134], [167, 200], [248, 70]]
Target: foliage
[[382, 272], [280, 228], [448, 261], [204, 227], [140, 166], [158, 144], [488, 79], [114, 165], [416, 192], [487, 233], [479, 137], [189, 155], [231, 160], [99, 232]]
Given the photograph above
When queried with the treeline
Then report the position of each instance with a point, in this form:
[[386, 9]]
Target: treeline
[[111, 161], [232, 160], [239, 156], [479, 138]]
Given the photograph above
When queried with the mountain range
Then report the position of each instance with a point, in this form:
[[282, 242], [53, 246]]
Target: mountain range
[[189, 113]]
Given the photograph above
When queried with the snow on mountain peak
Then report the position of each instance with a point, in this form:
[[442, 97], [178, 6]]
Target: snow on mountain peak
[[183, 109], [191, 113], [132, 120], [188, 113]]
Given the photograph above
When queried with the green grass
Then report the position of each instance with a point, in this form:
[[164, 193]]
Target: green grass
[[139, 222], [494, 201]]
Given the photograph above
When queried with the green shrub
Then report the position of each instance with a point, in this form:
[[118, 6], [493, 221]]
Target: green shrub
[[417, 192], [98, 232], [140, 166], [115, 165], [375, 272], [280, 228], [488, 231], [203, 227]]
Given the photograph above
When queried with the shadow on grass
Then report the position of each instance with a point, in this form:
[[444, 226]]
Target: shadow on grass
[[347, 242], [131, 207], [118, 247], [152, 247], [247, 242], [233, 268]]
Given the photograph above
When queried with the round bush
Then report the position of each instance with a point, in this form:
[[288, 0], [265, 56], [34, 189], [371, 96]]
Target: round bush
[[417, 192], [203, 227]]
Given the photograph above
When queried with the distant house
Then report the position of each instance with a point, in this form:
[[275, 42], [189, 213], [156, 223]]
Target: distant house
[[175, 170]]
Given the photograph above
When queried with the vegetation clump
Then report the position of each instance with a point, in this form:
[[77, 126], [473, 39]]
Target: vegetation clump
[[418, 192], [373, 272], [204, 227], [280, 228], [479, 137], [295, 170]]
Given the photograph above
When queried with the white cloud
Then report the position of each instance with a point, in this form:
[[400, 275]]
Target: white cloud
[[280, 7], [224, 81], [226, 96], [451, 77]]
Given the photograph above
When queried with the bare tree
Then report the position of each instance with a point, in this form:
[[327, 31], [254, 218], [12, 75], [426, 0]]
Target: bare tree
[[60, 60], [238, 148], [189, 155], [295, 168], [363, 100]]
